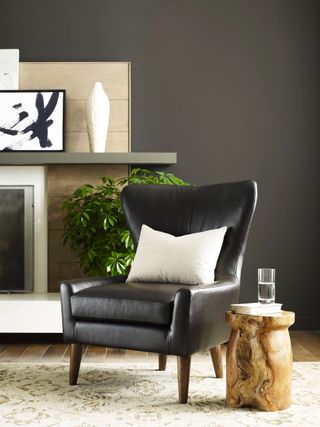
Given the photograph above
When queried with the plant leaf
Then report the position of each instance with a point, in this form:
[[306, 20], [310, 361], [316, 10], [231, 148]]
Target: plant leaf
[[91, 210]]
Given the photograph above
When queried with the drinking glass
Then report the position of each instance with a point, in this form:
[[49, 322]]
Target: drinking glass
[[266, 285]]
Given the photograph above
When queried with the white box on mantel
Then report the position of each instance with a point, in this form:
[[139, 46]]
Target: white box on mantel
[[9, 69]]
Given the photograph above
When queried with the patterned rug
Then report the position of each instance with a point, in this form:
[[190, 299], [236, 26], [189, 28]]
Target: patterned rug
[[123, 394]]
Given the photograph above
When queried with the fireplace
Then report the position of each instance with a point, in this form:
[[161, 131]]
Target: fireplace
[[16, 238], [28, 266]]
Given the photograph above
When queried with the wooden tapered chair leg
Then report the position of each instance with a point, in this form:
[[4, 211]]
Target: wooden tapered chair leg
[[75, 360], [216, 356], [183, 377], [162, 362]]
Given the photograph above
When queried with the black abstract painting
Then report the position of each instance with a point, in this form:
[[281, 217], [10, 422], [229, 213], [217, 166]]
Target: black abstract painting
[[32, 120]]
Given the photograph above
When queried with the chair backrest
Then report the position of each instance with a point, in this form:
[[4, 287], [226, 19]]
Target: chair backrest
[[180, 210]]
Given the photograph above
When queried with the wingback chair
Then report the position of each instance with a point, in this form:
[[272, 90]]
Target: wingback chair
[[165, 318]]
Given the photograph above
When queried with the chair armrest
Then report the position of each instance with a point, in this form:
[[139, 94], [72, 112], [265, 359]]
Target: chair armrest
[[70, 287], [198, 321], [77, 285]]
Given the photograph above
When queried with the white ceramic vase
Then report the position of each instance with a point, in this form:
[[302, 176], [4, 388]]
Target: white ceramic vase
[[97, 115]]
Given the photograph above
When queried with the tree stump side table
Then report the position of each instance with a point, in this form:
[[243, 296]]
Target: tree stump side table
[[259, 361]]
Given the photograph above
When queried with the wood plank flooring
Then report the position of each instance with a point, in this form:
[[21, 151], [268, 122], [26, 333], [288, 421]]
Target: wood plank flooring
[[305, 346]]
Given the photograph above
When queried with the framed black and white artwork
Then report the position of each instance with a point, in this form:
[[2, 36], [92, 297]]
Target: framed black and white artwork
[[32, 120]]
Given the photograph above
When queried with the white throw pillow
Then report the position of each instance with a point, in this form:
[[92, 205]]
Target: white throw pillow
[[189, 259]]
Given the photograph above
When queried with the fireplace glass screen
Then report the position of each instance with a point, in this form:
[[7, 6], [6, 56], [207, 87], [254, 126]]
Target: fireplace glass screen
[[16, 238]]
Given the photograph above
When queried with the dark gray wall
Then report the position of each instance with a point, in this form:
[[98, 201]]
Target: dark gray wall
[[232, 86]]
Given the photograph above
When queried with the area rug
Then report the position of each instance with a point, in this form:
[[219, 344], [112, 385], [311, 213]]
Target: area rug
[[125, 394]]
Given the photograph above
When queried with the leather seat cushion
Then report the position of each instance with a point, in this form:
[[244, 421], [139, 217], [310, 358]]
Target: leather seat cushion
[[131, 302]]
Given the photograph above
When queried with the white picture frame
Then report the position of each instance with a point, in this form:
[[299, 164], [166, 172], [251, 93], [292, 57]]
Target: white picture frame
[[32, 120]]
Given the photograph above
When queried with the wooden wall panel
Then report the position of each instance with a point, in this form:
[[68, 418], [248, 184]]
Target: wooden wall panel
[[76, 121], [57, 251], [58, 271], [78, 78], [117, 142], [62, 181], [55, 213]]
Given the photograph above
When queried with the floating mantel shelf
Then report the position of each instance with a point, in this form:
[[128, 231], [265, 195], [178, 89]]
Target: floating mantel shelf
[[50, 158]]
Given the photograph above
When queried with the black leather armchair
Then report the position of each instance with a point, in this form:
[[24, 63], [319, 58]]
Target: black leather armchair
[[165, 318]]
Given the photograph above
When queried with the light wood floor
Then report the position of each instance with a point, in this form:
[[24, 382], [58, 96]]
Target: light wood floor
[[305, 346]]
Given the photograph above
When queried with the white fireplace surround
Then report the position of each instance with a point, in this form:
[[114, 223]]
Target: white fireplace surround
[[37, 312], [35, 176]]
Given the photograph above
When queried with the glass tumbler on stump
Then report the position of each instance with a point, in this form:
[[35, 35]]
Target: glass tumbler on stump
[[266, 285]]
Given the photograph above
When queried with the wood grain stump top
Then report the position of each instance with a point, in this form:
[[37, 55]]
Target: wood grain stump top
[[259, 361]]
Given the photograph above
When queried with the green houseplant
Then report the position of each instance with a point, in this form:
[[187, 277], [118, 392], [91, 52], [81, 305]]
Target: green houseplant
[[94, 224]]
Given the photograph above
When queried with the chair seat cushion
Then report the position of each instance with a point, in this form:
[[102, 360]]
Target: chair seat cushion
[[131, 302]]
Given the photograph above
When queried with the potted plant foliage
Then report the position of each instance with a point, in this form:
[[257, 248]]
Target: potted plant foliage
[[94, 224]]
